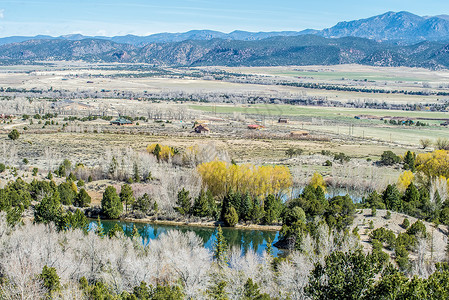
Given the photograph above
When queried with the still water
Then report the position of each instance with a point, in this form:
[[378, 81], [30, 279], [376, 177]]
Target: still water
[[242, 238]]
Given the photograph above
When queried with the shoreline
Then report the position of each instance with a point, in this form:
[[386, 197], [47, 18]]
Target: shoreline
[[210, 224]]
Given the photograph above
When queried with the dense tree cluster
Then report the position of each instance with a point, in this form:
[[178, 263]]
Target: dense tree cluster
[[302, 215]]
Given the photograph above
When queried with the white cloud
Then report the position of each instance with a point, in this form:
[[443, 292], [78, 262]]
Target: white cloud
[[2, 13], [101, 32]]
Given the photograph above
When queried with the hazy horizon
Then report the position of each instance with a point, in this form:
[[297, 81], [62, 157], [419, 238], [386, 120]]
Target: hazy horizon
[[139, 17]]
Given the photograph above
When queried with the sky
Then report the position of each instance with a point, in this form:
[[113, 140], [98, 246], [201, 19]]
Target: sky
[[144, 17]]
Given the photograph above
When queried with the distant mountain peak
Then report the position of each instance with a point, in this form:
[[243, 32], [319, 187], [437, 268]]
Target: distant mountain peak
[[403, 26]]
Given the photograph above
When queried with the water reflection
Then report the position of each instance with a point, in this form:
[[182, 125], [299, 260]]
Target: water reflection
[[243, 239]]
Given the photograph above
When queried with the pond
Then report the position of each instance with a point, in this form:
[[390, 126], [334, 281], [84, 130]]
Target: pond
[[245, 239]]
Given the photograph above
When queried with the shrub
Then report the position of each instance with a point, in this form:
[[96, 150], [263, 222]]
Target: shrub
[[388, 158], [388, 215], [13, 135], [341, 157], [442, 144], [417, 228], [425, 143], [2, 167], [405, 224]]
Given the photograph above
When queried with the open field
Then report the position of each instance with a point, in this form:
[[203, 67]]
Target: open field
[[352, 72], [341, 121], [97, 78]]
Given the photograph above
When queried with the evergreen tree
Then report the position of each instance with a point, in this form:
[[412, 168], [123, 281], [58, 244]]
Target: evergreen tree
[[218, 290], [71, 177], [257, 212], [50, 280], [77, 220], [48, 210], [111, 204], [212, 206], [115, 231], [14, 215], [183, 202], [246, 207], [225, 204], [220, 248], [411, 194], [143, 204], [235, 201], [392, 199], [409, 161], [142, 291], [320, 196], [272, 209], [200, 205], [343, 276], [82, 199], [157, 151], [251, 291], [66, 193], [424, 200], [127, 196], [136, 175], [231, 217]]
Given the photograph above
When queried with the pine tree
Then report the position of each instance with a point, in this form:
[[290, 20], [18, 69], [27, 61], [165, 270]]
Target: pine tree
[[157, 152], [49, 209], [115, 231], [111, 204], [411, 194], [127, 196], [136, 175], [183, 202], [218, 290], [231, 217], [272, 209], [50, 280], [246, 207], [82, 199], [251, 291], [212, 206], [392, 199], [200, 205], [409, 161], [99, 230], [220, 248]]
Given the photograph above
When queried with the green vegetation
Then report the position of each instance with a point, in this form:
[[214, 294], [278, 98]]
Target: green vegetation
[[111, 204], [13, 134]]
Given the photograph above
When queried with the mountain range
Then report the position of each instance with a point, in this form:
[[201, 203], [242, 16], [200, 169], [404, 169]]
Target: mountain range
[[403, 27], [390, 39]]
